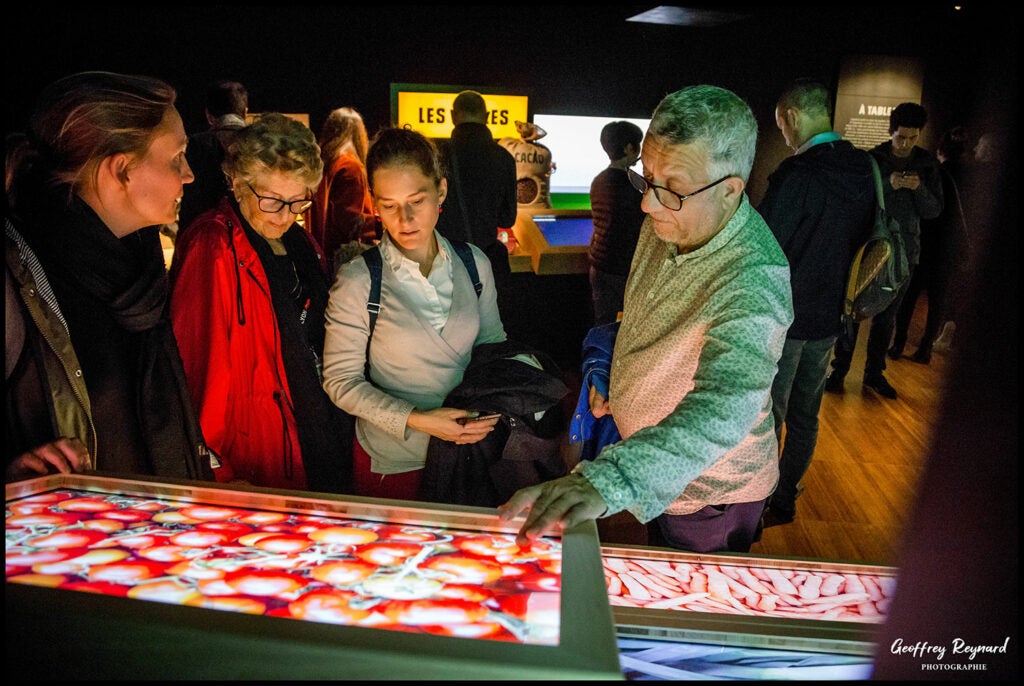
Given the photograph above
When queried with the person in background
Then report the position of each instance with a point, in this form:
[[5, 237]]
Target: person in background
[[249, 288], [944, 251], [617, 218], [227, 104], [430, 320], [706, 311], [481, 178], [342, 211], [105, 172], [819, 204], [975, 198], [912, 189]]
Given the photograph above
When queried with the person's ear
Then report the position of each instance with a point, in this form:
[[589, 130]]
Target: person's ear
[[793, 118], [236, 188], [442, 191], [119, 166], [734, 187]]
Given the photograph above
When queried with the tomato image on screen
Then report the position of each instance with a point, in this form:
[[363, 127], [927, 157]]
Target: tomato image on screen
[[425, 579]]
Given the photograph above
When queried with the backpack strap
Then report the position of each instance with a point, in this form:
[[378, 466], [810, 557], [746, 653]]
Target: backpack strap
[[375, 265], [878, 181], [466, 254]]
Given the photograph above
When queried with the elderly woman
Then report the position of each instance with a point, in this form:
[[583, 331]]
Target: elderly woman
[[93, 373], [249, 293]]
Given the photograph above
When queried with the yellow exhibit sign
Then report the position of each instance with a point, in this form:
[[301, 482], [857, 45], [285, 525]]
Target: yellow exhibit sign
[[431, 113]]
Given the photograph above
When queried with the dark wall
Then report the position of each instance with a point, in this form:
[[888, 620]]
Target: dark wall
[[568, 59]]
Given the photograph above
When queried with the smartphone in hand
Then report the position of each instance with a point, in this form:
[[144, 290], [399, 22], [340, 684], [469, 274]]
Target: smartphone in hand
[[478, 418]]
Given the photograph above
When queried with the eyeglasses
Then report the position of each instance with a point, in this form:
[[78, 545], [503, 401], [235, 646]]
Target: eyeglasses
[[275, 205], [668, 198]]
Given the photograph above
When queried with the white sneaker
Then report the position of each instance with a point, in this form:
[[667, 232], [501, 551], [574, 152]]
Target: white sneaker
[[945, 339]]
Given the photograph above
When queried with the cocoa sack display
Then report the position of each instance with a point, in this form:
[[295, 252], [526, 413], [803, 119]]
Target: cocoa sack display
[[533, 165]]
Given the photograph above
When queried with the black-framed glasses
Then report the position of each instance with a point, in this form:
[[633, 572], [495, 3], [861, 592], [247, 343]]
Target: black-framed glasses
[[275, 205], [668, 198]]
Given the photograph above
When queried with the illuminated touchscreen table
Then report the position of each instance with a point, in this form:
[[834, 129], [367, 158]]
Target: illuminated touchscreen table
[[749, 601], [362, 572]]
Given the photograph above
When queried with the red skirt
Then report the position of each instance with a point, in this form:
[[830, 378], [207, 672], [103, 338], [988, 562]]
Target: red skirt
[[404, 486]]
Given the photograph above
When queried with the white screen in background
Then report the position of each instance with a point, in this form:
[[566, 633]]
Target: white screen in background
[[575, 144]]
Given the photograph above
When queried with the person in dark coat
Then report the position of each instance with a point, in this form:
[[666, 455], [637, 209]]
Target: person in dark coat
[[481, 186], [617, 218], [912, 188], [107, 171], [227, 104], [819, 205], [944, 251]]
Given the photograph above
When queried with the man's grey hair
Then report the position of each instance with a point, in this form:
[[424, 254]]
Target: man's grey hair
[[715, 118]]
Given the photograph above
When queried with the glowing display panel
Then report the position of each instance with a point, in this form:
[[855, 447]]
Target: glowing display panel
[[563, 231], [646, 660], [726, 599], [749, 589], [402, 577]]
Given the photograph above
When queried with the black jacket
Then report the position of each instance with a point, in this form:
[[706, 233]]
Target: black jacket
[[205, 154], [483, 175], [113, 294], [909, 207], [521, 451], [820, 204]]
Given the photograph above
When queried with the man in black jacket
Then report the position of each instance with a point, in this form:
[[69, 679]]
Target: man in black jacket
[[912, 187], [481, 186], [819, 205]]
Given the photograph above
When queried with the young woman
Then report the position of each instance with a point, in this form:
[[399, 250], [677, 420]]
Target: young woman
[[430, 319], [249, 292]]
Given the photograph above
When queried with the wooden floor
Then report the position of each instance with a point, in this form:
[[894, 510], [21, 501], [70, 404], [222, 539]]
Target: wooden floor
[[859, 490]]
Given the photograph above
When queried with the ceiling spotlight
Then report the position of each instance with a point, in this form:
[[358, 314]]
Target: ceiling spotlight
[[686, 16]]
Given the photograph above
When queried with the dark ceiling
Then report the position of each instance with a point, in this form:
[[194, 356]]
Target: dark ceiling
[[570, 59]]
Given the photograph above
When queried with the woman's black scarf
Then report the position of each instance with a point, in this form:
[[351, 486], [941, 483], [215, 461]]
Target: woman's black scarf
[[325, 432], [128, 276]]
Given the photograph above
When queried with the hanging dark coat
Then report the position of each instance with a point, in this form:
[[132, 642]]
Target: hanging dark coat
[[521, 451]]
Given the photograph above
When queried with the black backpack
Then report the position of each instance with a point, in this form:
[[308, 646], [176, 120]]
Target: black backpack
[[879, 267]]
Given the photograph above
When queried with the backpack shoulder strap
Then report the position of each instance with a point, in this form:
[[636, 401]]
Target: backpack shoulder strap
[[878, 181], [466, 254], [375, 264]]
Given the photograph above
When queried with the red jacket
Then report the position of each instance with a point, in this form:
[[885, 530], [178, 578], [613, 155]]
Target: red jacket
[[227, 332], [342, 206]]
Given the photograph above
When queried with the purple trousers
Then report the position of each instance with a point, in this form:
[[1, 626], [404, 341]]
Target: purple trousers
[[715, 528]]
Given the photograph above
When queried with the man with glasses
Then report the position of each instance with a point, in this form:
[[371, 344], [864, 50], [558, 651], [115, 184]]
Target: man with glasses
[[706, 310], [819, 204]]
